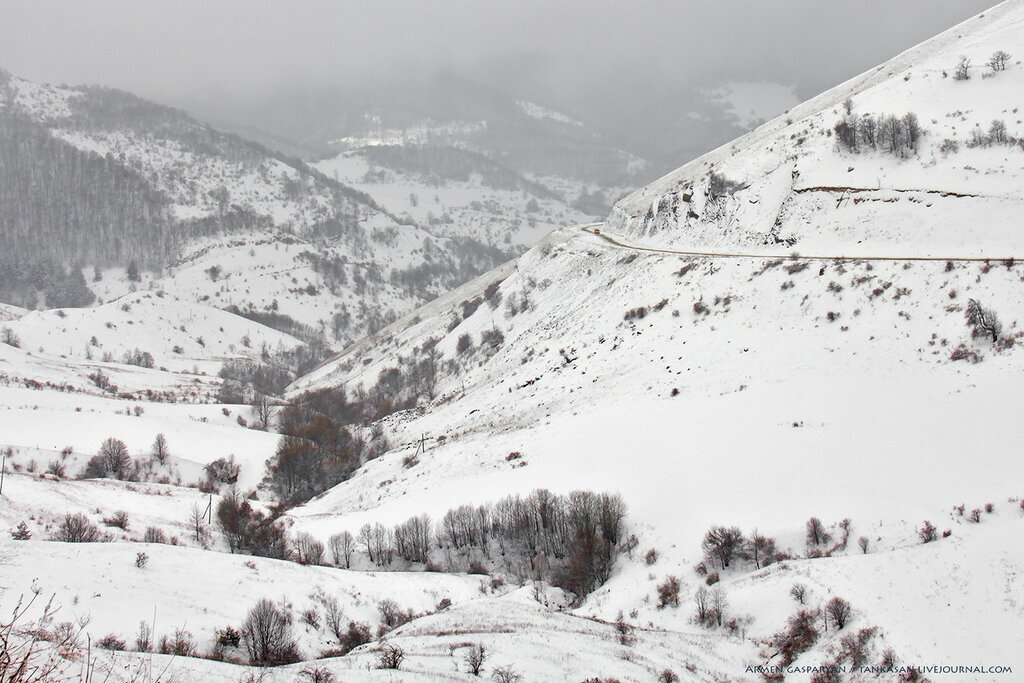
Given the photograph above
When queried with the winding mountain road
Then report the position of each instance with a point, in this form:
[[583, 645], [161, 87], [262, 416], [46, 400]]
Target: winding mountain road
[[596, 229]]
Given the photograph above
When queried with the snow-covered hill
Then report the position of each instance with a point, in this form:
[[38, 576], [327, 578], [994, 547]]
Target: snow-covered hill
[[790, 185], [758, 388]]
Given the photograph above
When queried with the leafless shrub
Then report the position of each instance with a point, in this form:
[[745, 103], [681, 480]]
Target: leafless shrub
[[927, 532], [963, 70], [838, 610], [982, 321], [267, 635], [668, 592], [390, 656], [624, 630], [799, 636], [119, 519], [505, 674], [998, 60], [317, 674], [180, 644], [799, 592], [77, 528]]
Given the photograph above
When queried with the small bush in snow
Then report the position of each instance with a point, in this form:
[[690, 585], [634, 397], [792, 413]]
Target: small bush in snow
[[974, 515], [961, 352], [316, 674], [111, 642], [650, 557], [927, 532], [141, 560], [799, 592], [119, 519], [77, 528], [9, 337], [358, 633], [390, 656], [180, 644], [963, 70], [505, 674], [21, 533], [668, 676], [668, 592], [624, 630], [464, 345]]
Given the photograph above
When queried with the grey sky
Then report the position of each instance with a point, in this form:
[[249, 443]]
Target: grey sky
[[612, 60], [167, 47]]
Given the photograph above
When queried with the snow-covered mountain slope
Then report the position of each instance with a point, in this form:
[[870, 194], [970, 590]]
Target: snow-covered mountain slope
[[150, 322], [187, 204], [790, 185], [455, 193], [762, 390]]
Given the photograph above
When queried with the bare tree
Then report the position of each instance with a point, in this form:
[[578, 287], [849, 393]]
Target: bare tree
[[719, 603], [159, 450], [759, 548], [308, 550], [702, 600], [342, 546], [963, 70], [475, 658], [722, 544], [799, 592], [982, 321], [998, 60], [839, 611], [267, 635], [862, 542], [263, 407], [815, 532], [997, 132], [197, 521]]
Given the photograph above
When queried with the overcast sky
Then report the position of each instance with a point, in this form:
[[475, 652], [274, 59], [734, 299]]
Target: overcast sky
[[576, 52]]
